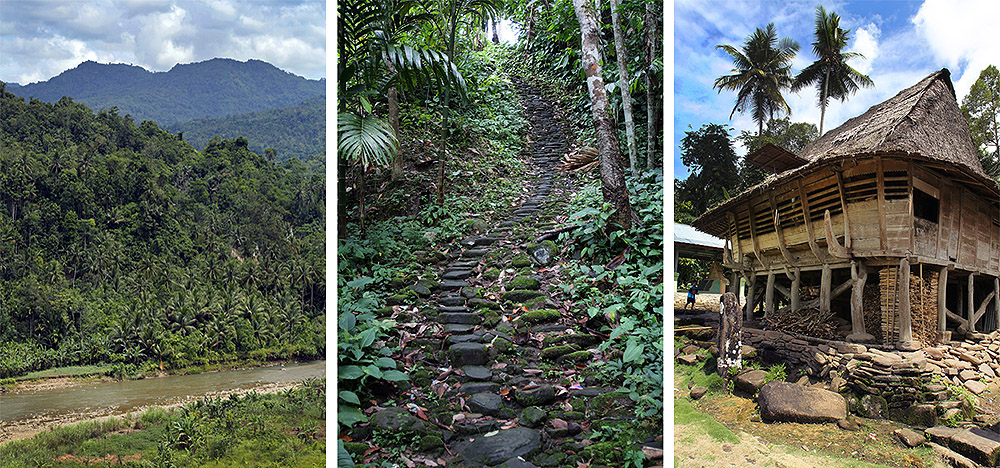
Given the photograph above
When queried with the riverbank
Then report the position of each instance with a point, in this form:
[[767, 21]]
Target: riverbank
[[34, 382], [273, 425]]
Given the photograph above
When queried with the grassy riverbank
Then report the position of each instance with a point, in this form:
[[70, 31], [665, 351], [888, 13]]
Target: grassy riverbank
[[282, 429]]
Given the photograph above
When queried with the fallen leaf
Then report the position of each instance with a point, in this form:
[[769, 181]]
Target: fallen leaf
[[558, 423], [499, 365], [532, 371], [440, 389], [345, 438], [409, 463], [504, 392], [421, 415], [371, 450], [457, 417]]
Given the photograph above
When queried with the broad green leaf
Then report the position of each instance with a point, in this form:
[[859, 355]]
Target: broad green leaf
[[347, 321], [343, 457], [350, 397], [633, 351], [350, 415], [386, 363], [368, 337], [373, 371], [349, 372], [360, 283], [394, 376]]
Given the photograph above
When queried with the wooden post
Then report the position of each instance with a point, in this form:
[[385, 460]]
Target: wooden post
[[905, 323], [942, 301], [730, 336], [996, 301], [824, 289], [860, 275], [971, 305], [751, 292], [796, 285], [769, 295], [734, 282]]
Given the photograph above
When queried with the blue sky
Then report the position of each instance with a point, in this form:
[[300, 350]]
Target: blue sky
[[42, 38], [902, 41]]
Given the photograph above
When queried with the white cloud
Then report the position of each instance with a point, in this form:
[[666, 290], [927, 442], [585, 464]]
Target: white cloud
[[962, 34], [866, 43]]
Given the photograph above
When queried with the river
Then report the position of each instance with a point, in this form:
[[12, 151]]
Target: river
[[44, 407]]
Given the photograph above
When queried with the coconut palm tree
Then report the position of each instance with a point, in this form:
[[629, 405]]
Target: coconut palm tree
[[831, 74], [762, 69]]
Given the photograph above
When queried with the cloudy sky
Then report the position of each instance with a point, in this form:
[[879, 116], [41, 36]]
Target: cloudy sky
[[902, 41], [40, 39]]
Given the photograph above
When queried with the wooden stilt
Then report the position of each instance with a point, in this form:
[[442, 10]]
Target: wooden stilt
[[996, 301], [905, 322], [971, 305], [796, 285], [824, 289], [942, 301], [860, 275], [769, 295], [751, 296]]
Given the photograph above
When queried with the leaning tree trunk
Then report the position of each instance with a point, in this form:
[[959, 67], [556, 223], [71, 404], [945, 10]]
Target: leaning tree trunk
[[822, 102], [397, 155], [612, 174], [623, 84], [652, 23]]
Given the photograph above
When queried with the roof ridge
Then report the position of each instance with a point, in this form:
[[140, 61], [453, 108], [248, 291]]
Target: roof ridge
[[919, 93]]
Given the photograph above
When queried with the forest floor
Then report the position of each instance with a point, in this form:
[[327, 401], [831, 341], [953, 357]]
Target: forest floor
[[502, 378]]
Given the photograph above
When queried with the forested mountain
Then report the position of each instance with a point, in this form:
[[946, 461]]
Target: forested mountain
[[121, 244], [294, 131], [213, 88]]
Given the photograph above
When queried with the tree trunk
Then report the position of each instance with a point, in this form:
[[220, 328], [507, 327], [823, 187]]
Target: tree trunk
[[822, 102], [652, 23], [361, 198], [623, 84], [496, 32], [397, 155], [612, 174], [446, 111], [531, 24]]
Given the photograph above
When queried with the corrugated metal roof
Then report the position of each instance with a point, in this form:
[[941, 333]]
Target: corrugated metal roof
[[689, 235]]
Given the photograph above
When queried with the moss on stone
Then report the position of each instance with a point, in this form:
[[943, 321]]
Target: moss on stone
[[578, 356], [520, 260], [384, 312], [554, 352], [490, 318], [611, 404], [430, 442], [503, 346], [491, 274], [532, 416], [356, 449], [422, 377], [524, 282], [540, 316], [407, 297], [520, 295]]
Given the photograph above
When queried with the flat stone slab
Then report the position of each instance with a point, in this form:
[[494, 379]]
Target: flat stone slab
[[467, 354], [538, 396], [516, 463], [477, 303], [464, 264], [399, 419], [456, 274], [485, 241], [455, 339], [452, 301], [453, 309], [460, 318], [453, 284], [520, 295], [782, 401], [749, 382], [477, 372], [475, 253], [980, 445], [502, 446], [486, 403], [458, 328]]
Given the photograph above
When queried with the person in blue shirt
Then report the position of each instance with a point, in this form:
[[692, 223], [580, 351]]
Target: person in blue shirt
[[692, 296]]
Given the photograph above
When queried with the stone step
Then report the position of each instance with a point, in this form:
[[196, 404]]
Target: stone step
[[485, 241], [477, 373], [467, 354], [463, 318], [464, 264], [453, 284], [477, 387], [458, 328], [455, 339], [452, 301], [474, 253], [454, 309], [456, 274]]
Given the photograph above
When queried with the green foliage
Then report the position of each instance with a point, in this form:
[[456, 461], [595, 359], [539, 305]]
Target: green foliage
[[709, 156], [981, 108], [249, 430], [630, 296], [123, 245], [776, 373], [185, 92], [297, 131], [365, 140], [782, 132]]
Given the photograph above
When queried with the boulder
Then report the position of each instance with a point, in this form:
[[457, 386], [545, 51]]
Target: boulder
[[751, 381], [532, 416], [536, 396], [698, 392], [486, 403], [781, 401], [689, 359], [873, 406], [467, 354], [975, 386], [909, 437], [493, 449], [980, 445], [400, 420]]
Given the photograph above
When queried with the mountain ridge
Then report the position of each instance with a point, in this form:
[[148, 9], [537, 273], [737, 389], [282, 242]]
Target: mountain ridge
[[213, 88]]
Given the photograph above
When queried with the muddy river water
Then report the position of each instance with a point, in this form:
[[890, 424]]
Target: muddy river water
[[106, 398]]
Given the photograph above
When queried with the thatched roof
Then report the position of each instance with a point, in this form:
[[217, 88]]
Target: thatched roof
[[923, 121]]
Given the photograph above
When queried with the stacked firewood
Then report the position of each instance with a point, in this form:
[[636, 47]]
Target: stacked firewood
[[872, 307], [579, 160], [923, 307], [808, 321]]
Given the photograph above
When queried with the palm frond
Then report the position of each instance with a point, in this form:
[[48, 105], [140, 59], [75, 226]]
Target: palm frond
[[368, 140]]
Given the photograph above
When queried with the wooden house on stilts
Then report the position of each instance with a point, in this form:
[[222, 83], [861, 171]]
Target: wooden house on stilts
[[887, 223]]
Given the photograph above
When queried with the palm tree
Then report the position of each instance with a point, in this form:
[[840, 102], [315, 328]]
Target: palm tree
[[762, 70], [831, 74]]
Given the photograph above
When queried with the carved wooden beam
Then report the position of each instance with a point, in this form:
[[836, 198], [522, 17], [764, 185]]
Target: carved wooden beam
[[843, 209], [779, 232], [753, 235], [834, 247], [982, 307]]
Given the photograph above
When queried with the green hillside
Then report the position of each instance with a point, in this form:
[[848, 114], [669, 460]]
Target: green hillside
[[213, 88], [121, 244], [295, 131]]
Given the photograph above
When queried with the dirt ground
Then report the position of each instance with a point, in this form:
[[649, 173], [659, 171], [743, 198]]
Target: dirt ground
[[28, 428], [703, 301]]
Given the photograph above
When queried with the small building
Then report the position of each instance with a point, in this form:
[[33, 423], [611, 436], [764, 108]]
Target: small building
[[886, 224], [690, 243]]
